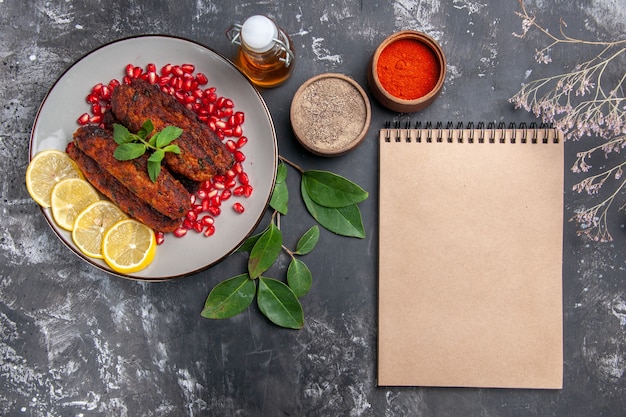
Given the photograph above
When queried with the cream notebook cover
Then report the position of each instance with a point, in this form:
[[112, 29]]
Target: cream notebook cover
[[470, 258]]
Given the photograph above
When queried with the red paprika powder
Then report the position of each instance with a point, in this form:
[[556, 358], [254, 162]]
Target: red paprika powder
[[408, 69]]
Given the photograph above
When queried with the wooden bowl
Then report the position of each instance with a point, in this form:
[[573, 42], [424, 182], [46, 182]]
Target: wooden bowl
[[430, 79], [330, 114]]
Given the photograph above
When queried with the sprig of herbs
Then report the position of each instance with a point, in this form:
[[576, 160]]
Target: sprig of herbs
[[332, 201], [133, 145], [586, 100]]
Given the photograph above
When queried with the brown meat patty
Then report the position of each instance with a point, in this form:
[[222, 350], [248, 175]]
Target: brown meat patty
[[202, 155], [119, 194], [167, 195]]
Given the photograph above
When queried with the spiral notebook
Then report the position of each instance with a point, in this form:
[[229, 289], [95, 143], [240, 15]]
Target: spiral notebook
[[470, 256]]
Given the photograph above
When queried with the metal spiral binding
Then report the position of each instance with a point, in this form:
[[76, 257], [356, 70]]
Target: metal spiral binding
[[480, 132]]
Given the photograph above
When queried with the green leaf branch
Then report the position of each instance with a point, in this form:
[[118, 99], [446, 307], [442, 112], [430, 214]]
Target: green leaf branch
[[332, 201], [133, 145]]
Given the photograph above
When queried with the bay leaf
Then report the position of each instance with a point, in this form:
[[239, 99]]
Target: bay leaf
[[280, 198], [344, 221], [229, 298], [307, 242], [281, 172], [299, 277], [265, 251], [279, 304], [331, 190]]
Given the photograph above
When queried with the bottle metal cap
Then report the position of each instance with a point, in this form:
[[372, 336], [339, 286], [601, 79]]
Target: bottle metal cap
[[259, 33]]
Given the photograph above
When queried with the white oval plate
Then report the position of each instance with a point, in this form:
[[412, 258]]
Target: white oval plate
[[56, 122]]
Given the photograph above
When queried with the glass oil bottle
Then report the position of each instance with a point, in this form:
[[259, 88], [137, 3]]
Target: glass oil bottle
[[265, 54]]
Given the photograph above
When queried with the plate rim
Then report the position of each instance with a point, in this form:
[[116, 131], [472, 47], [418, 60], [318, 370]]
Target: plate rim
[[275, 158]]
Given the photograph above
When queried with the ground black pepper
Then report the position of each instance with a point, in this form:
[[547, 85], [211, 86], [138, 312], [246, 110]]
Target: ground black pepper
[[329, 114]]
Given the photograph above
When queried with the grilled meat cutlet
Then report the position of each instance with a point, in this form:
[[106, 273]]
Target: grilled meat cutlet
[[202, 153], [167, 195], [119, 194]]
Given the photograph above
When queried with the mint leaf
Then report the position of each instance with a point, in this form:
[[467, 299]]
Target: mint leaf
[[128, 151], [157, 156], [121, 134], [154, 168], [168, 135], [172, 148], [146, 129]]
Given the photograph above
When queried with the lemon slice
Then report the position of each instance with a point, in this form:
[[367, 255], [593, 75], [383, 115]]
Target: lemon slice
[[45, 170], [69, 197], [128, 246], [90, 225]]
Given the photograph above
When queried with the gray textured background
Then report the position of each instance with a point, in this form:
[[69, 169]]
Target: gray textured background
[[78, 342]]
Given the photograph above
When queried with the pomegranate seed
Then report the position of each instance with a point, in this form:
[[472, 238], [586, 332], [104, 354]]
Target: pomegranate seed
[[239, 208], [207, 220], [225, 194], [177, 71], [180, 232], [201, 78], [215, 211], [238, 168], [97, 88], [238, 191], [231, 183], [105, 92], [152, 77], [164, 80], [205, 185], [166, 69], [191, 215], [244, 179], [160, 237], [188, 68], [216, 201], [237, 131], [130, 70], [113, 83], [242, 141], [206, 204], [197, 93], [188, 224], [239, 156], [231, 174], [126, 79], [83, 119], [93, 98], [209, 231], [95, 119], [151, 67], [239, 117], [229, 103], [137, 71], [231, 146], [247, 190], [198, 227]]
